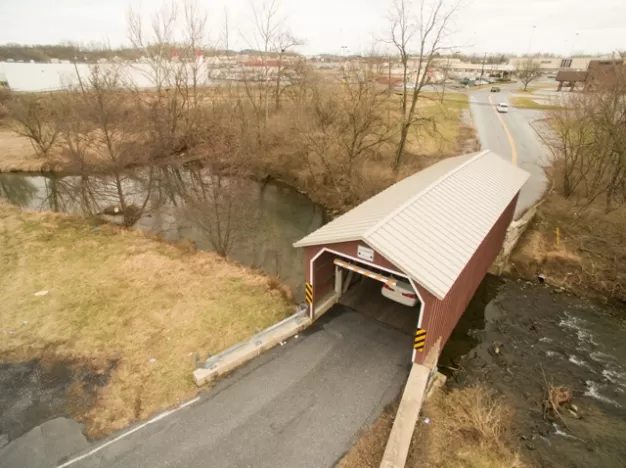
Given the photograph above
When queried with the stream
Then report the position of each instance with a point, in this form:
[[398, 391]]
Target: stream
[[518, 338], [254, 224]]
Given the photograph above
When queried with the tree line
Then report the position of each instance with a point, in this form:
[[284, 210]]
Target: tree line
[[589, 142]]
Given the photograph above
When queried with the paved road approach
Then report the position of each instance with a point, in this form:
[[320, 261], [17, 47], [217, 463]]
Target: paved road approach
[[301, 405], [511, 135]]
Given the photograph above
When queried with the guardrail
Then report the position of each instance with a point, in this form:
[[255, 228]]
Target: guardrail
[[241, 353]]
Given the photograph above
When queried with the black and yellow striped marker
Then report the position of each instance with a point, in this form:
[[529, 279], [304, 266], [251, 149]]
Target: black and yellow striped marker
[[308, 292], [420, 339]]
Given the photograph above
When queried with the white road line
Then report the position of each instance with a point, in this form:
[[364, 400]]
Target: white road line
[[125, 434]]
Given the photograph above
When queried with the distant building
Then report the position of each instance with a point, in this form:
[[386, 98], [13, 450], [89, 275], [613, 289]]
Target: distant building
[[604, 73], [55, 60], [599, 74], [570, 78], [555, 64], [475, 70]]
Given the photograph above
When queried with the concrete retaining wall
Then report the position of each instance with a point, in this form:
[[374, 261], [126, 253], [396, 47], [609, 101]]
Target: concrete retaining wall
[[397, 449], [513, 235]]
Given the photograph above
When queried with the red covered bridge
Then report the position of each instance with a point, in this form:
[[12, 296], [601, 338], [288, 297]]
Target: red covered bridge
[[437, 232]]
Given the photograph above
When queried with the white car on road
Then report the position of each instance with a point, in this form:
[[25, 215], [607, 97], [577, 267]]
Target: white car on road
[[503, 107], [402, 293]]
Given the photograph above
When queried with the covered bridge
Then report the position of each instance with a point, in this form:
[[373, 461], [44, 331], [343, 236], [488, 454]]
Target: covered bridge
[[438, 231]]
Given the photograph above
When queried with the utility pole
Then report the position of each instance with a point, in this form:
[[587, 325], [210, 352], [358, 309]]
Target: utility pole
[[445, 77], [388, 89], [482, 70]]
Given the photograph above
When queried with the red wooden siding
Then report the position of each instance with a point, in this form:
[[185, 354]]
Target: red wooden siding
[[323, 276], [440, 317]]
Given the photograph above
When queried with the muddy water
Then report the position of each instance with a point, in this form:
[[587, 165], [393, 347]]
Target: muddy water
[[254, 223], [518, 338]]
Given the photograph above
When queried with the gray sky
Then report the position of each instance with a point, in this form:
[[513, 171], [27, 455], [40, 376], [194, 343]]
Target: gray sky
[[326, 25]]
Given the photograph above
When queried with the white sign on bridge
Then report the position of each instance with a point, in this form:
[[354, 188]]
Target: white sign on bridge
[[365, 253]]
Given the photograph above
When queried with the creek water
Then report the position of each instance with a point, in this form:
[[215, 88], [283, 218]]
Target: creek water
[[254, 223], [519, 338]]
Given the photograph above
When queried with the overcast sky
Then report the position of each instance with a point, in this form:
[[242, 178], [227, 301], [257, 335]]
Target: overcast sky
[[560, 26]]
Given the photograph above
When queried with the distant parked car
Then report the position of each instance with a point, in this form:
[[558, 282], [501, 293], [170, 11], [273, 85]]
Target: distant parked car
[[402, 293], [503, 107], [495, 89]]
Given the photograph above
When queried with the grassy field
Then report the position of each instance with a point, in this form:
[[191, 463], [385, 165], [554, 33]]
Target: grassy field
[[442, 137], [529, 90], [532, 89], [17, 154], [527, 103], [468, 428], [120, 296]]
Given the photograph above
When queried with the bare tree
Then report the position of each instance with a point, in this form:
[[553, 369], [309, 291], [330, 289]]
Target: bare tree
[[343, 128], [36, 118], [274, 40], [528, 70], [155, 43], [572, 142], [105, 132], [173, 62], [282, 44], [424, 31], [590, 142], [444, 66], [267, 24]]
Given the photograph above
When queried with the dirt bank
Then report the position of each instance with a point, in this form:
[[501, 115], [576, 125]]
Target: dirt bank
[[587, 256], [530, 331]]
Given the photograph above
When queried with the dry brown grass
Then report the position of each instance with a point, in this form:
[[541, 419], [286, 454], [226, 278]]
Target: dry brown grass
[[17, 154], [527, 103], [469, 428], [120, 295], [591, 255], [368, 450]]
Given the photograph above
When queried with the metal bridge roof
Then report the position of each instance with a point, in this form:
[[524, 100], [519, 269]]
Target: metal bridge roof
[[431, 223]]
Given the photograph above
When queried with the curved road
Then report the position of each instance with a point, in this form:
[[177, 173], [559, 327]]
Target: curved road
[[512, 137]]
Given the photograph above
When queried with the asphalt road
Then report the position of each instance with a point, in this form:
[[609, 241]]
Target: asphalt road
[[512, 137], [300, 405]]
